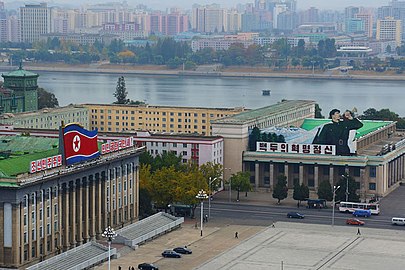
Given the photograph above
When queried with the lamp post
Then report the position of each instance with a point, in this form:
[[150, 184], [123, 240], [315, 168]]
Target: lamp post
[[201, 196], [210, 194], [333, 204], [347, 186], [110, 234]]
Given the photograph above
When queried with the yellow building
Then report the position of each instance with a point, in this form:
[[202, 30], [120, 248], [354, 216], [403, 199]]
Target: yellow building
[[389, 29], [117, 118]]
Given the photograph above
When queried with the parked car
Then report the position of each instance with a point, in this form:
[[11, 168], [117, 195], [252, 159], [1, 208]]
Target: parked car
[[147, 266], [362, 213], [171, 254], [354, 221], [183, 250], [295, 215]]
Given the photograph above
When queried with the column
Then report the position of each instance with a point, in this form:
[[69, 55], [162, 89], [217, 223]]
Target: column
[[31, 200], [104, 200], [21, 242], [271, 175], [135, 193], [99, 228], [72, 213], [65, 218], [301, 173], [16, 220], [52, 220], [60, 215], [37, 223], [79, 199], [316, 176], [92, 209], [85, 207], [331, 174], [363, 187], [290, 182], [257, 174]]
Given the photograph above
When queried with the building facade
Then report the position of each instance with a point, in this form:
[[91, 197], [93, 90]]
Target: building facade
[[35, 20], [48, 118], [122, 118], [21, 93], [389, 29], [54, 210], [235, 129]]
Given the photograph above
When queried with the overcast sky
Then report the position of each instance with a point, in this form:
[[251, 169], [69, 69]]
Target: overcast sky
[[187, 4]]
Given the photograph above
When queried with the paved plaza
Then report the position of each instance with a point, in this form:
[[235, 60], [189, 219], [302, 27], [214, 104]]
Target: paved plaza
[[308, 246]]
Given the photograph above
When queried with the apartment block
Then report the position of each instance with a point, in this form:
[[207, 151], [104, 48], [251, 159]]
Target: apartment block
[[121, 118]]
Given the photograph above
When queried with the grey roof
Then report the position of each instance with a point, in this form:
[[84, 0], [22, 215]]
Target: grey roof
[[256, 114]]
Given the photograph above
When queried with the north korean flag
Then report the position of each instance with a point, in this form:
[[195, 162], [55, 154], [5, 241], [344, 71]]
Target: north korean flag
[[79, 144]]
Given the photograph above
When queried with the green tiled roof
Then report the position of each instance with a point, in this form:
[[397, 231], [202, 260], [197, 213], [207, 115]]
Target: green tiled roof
[[264, 112], [21, 164], [20, 72], [18, 152], [368, 125]]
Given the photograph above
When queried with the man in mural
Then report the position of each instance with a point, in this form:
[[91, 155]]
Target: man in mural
[[338, 132]]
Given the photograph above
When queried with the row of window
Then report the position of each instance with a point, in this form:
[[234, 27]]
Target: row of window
[[158, 113], [95, 123]]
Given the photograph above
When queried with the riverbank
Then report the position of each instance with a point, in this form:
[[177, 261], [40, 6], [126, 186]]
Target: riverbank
[[248, 72]]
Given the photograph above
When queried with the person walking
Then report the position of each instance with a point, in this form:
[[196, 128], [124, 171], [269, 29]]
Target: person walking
[[358, 231], [236, 235]]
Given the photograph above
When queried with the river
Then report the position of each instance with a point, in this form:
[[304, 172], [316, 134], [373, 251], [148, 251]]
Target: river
[[71, 87]]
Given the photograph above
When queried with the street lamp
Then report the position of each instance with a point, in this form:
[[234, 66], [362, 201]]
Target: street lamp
[[333, 204], [210, 195], [110, 234], [347, 186], [201, 196]]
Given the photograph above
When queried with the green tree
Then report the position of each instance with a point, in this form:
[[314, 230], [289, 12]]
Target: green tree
[[240, 181], [318, 111], [300, 193], [211, 171], [254, 137], [341, 192], [325, 191], [121, 92], [46, 99], [145, 203], [280, 191], [301, 48]]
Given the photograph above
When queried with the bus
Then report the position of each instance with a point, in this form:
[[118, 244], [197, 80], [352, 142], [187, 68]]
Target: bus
[[350, 207]]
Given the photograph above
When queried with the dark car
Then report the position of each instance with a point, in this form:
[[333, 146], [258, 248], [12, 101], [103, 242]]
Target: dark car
[[295, 215], [354, 221], [171, 254], [183, 250], [147, 266]]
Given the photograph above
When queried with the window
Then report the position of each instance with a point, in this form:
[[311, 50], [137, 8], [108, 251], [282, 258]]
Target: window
[[371, 186], [373, 171], [184, 153], [356, 172], [184, 145]]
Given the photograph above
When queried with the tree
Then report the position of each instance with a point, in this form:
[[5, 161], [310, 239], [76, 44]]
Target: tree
[[145, 203], [318, 111], [121, 92], [301, 193], [240, 181], [253, 138], [280, 191], [325, 191], [212, 170], [341, 192], [46, 99]]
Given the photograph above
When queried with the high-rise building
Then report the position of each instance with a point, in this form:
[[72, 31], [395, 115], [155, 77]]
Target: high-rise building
[[389, 29], [209, 19], [367, 19], [398, 13], [35, 20], [278, 9]]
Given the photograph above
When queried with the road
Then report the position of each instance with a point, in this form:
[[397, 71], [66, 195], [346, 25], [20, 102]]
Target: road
[[242, 214]]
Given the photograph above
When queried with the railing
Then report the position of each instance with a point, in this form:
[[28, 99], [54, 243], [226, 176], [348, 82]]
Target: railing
[[87, 263]]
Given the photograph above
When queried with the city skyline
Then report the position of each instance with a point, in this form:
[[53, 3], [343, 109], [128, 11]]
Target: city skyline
[[157, 4]]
